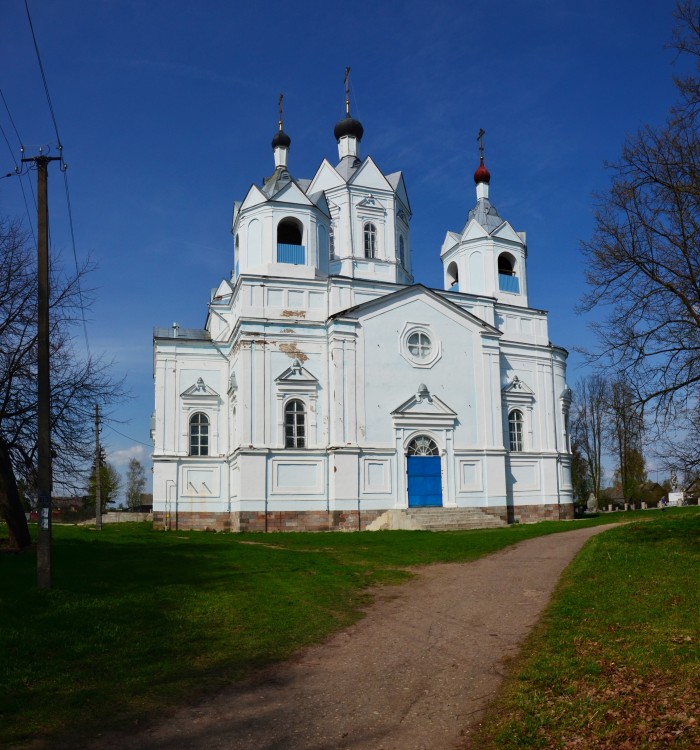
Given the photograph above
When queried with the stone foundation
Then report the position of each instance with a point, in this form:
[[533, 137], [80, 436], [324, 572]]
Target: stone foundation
[[335, 520], [532, 513], [285, 520]]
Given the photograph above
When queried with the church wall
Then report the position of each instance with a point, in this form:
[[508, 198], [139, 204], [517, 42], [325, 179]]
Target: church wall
[[390, 379]]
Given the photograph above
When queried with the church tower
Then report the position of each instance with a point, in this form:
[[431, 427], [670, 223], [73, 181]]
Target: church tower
[[369, 211], [488, 256], [278, 229]]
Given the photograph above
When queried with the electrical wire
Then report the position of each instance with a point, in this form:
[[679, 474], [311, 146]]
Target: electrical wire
[[43, 75], [64, 168], [19, 173], [128, 437]]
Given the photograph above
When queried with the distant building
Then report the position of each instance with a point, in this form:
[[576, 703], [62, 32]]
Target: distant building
[[326, 383]]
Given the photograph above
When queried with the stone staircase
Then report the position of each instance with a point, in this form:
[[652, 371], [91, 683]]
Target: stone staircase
[[435, 519]]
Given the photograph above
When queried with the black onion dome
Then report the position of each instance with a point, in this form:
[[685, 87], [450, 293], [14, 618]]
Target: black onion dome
[[348, 126], [281, 139]]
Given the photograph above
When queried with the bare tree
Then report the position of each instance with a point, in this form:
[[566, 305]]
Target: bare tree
[[76, 384], [592, 395], [626, 436], [643, 261]]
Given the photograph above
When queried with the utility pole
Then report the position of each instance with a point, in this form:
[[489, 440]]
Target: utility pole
[[43, 550], [98, 466]]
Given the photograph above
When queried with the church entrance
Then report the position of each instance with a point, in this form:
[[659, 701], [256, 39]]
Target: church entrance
[[424, 473]]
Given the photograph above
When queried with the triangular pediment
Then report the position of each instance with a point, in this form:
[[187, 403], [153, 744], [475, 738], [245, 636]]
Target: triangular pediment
[[423, 402], [517, 387], [368, 175], [411, 293], [199, 389], [451, 240], [319, 200], [506, 232], [297, 373], [325, 178], [395, 179], [292, 193], [372, 202], [473, 231], [255, 197]]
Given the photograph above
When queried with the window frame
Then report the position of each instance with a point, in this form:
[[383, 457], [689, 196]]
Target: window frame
[[196, 445], [516, 431], [370, 242], [295, 418]]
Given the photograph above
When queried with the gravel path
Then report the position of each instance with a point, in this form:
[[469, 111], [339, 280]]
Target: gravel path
[[417, 672]]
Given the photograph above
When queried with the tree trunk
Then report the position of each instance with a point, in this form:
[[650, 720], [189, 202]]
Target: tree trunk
[[10, 505]]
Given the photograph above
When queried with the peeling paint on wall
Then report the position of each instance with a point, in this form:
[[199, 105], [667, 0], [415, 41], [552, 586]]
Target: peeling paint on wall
[[293, 313], [293, 352]]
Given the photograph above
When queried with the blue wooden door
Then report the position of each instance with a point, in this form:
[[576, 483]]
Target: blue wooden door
[[424, 481]]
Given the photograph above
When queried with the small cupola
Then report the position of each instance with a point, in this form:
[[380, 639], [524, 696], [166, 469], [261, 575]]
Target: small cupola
[[482, 176], [281, 142], [348, 132]]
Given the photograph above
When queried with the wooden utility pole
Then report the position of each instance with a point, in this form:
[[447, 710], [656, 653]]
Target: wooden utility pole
[[43, 551], [98, 477]]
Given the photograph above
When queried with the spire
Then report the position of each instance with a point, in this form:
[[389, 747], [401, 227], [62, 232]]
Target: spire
[[482, 176], [348, 132], [281, 141]]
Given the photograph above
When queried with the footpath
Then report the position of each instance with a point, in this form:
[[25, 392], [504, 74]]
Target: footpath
[[416, 673]]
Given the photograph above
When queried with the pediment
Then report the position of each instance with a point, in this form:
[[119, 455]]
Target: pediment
[[397, 182], [199, 390], [292, 193], [297, 373], [422, 402], [372, 203], [506, 232], [368, 175], [255, 197], [325, 178], [518, 389], [451, 240], [319, 200], [408, 295], [474, 231]]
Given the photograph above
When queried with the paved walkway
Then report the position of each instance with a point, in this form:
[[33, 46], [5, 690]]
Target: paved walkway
[[416, 673]]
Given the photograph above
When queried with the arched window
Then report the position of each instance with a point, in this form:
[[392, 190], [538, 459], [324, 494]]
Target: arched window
[[453, 274], [289, 232], [402, 251], [331, 242], [199, 435], [370, 235], [515, 430], [505, 265], [294, 424], [507, 278], [422, 446]]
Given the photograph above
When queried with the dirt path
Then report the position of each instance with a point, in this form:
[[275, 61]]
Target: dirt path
[[416, 672]]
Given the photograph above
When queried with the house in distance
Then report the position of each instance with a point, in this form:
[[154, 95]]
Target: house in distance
[[327, 390]]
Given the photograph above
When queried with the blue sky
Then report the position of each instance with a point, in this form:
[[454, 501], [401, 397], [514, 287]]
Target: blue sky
[[166, 110]]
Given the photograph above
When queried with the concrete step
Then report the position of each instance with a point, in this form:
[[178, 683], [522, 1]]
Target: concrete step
[[436, 519]]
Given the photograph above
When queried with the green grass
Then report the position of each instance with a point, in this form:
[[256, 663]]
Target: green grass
[[615, 661], [139, 620]]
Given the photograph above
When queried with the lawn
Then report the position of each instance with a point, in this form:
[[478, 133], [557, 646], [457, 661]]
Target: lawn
[[615, 662], [138, 620]]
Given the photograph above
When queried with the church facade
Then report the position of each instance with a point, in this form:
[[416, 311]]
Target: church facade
[[327, 390]]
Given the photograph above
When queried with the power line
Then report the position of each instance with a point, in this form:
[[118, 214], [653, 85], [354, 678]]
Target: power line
[[128, 437], [64, 168], [43, 75]]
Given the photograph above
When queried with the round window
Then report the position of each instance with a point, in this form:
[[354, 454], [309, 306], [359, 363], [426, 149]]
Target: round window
[[419, 345]]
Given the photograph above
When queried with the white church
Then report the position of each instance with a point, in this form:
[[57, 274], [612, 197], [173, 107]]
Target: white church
[[328, 390]]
